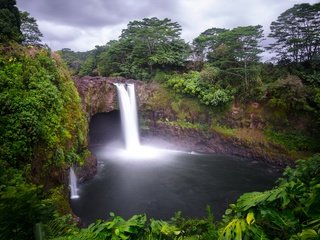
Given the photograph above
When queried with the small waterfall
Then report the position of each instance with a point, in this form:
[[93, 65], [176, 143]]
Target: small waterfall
[[73, 185], [129, 116]]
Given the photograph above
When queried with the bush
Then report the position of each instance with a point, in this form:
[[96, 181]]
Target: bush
[[289, 211], [22, 205], [191, 84]]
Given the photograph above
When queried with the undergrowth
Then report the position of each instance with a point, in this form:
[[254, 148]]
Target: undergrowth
[[293, 140]]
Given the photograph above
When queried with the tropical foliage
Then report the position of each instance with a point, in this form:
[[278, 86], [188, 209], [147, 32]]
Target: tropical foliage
[[40, 109], [192, 84], [43, 130]]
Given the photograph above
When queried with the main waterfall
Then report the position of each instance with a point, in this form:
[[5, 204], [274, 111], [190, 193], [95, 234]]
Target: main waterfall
[[128, 114]]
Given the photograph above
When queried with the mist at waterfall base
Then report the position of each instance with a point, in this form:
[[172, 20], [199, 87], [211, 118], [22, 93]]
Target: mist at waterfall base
[[161, 182]]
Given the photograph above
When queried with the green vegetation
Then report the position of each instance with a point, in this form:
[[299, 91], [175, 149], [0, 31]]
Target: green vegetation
[[296, 31], [40, 110], [192, 84], [30, 32], [43, 130], [293, 140], [143, 48], [74, 60], [223, 130], [22, 204]]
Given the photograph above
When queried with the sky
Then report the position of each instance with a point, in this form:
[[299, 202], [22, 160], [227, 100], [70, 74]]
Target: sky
[[81, 24]]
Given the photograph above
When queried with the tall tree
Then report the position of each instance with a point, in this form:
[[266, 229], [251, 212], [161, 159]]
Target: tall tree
[[244, 44], [116, 59], [9, 22], [155, 43], [297, 33], [236, 52], [205, 42], [30, 30]]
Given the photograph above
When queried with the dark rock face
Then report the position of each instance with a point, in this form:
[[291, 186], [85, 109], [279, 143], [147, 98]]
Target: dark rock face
[[88, 170], [189, 139], [97, 94]]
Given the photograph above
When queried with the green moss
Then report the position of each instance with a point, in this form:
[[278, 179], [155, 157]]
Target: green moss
[[224, 130], [185, 124]]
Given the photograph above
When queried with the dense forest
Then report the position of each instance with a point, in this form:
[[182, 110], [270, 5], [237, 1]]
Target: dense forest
[[43, 130]]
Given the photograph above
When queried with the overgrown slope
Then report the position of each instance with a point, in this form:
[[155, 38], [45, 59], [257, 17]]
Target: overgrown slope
[[43, 132]]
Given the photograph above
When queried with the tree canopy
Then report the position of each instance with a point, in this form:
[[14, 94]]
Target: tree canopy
[[29, 28], [297, 33], [145, 46], [9, 22]]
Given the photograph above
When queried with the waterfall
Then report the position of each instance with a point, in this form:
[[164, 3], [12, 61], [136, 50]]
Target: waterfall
[[73, 185], [128, 114]]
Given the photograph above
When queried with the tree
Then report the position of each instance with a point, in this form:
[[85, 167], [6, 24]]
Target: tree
[[9, 22], [205, 42], [116, 59], [89, 66], [154, 43], [244, 42], [30, 31], [74, 60], [297, 33], [235, 52]]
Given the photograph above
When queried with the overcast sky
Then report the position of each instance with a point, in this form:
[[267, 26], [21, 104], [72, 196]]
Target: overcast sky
[[80, 24]]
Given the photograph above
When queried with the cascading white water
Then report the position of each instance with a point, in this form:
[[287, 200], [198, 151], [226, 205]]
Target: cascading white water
[[129, 116], [73, 185]]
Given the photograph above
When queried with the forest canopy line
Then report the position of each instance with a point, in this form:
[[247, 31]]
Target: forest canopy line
[[296, 33]]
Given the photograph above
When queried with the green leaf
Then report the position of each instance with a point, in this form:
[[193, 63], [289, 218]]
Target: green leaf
[[250, 218], [308, 234]]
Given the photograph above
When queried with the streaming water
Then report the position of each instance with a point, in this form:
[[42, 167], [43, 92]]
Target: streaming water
[[128, 111], [73, 185]]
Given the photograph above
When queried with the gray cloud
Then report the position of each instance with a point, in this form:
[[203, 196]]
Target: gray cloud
[[80, 25], [94, 13]]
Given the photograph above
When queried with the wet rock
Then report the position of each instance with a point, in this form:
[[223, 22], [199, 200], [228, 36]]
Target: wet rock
[[88, 170]]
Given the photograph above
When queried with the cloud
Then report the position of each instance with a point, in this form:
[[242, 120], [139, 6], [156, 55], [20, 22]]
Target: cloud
[[96, 13], [80, 25], [62, 36]]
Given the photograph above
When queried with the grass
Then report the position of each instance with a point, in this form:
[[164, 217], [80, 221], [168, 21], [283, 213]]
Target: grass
[[223, 130]]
